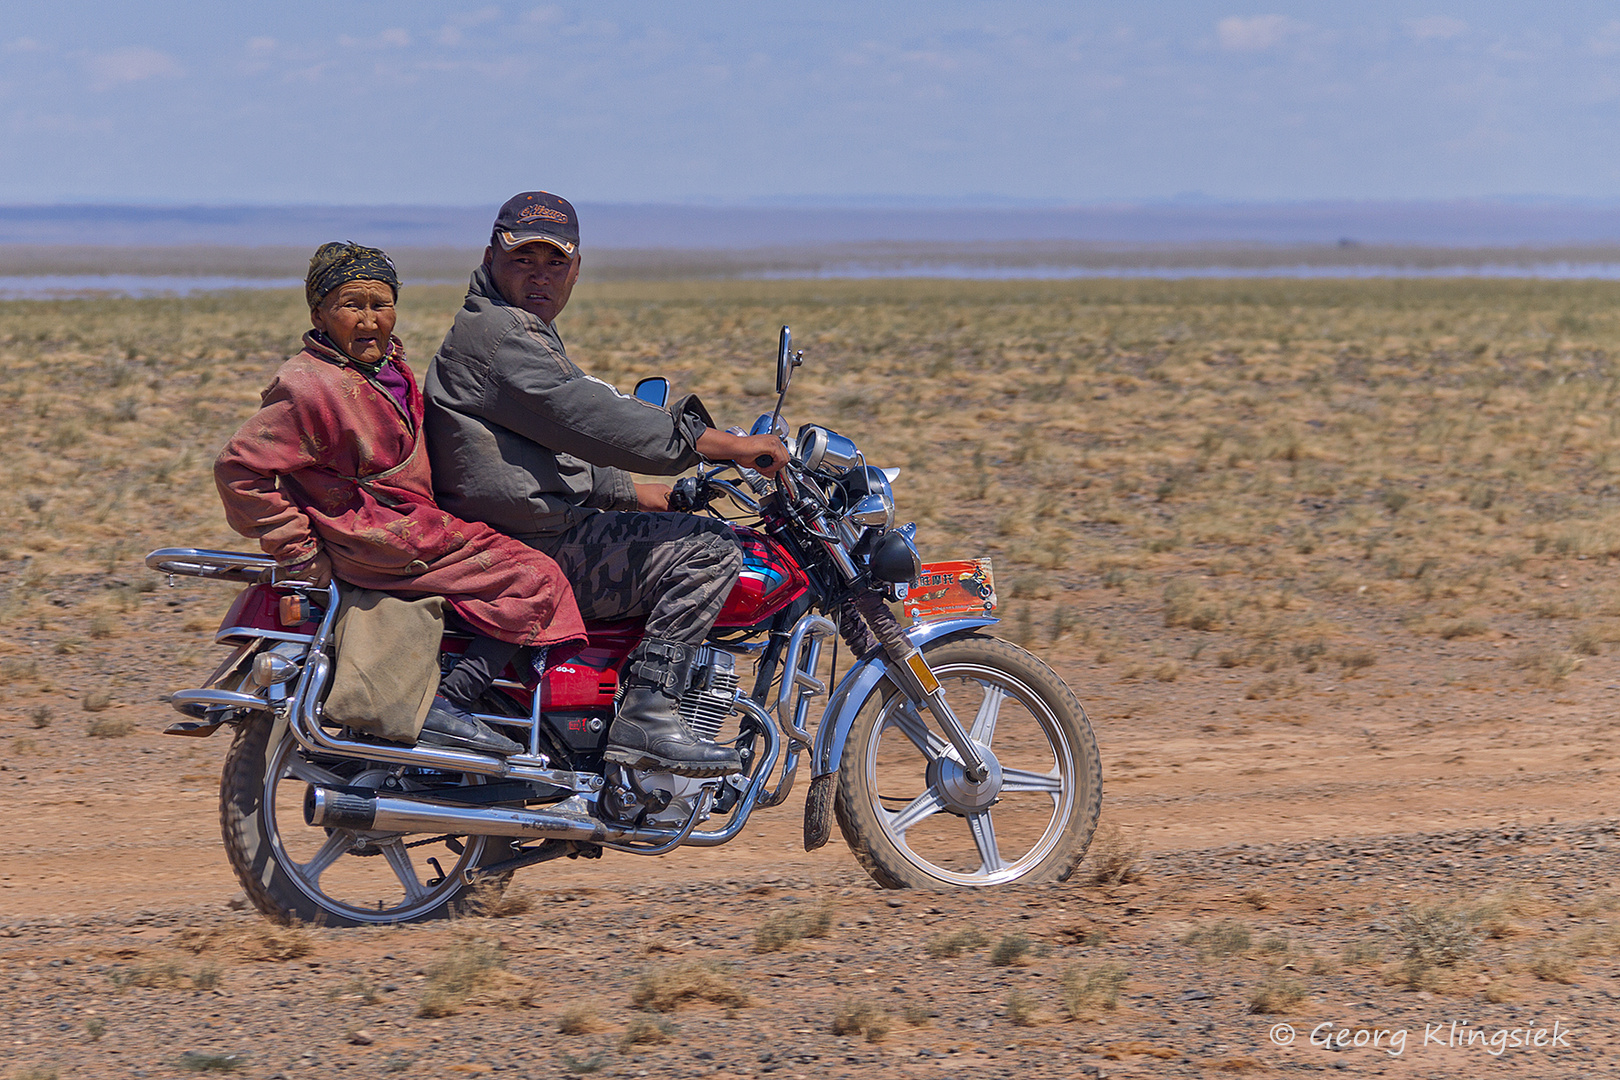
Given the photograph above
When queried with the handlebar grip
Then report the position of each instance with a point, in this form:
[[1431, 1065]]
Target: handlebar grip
[[763, 461]]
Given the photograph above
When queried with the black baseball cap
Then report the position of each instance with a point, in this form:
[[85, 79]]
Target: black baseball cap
[[538, 216]]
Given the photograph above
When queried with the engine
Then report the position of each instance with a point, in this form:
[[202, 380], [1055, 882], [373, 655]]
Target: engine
[[661, 798], [709, 696]]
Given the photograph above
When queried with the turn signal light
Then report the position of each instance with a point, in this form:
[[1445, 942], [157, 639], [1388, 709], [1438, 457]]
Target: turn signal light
[[295, 610]]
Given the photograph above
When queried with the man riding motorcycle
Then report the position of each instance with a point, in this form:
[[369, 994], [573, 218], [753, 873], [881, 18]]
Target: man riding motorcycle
[[522, 439]]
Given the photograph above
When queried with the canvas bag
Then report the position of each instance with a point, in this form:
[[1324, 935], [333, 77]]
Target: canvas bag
[[387, 667]]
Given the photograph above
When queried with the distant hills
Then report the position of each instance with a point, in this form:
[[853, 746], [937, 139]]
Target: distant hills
[[1460, 223]]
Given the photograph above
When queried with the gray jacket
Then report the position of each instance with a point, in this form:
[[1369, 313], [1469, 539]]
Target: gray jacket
[[521, 438]]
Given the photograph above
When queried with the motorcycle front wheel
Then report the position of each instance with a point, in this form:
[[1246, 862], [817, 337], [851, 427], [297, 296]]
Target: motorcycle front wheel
[[914, 820], [334, 877]]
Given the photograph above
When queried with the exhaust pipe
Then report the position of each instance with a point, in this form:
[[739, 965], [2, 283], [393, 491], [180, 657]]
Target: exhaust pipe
[[383, 813]]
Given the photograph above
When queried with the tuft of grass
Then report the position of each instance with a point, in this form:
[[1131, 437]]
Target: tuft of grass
[[1085, 992], [1187, 605], [360, 991], [1546, 667], [1257, 898], [194, 940], [1023, 1009], [783, 928], [1436, 935], [1275, 995], [662, 989], [39, 717], [1464, 628], [275, 941], [645, 1030], [1113, 856], [95, 1027], [471, 972], [110, 727], [1586, 641], [581, 1018], [1361, 954], [1010, 950], [916, 1016], [1225, 938], [942, 946], [1353, 660], [858, 1016], [1553, 965], [495, 899], [97, 701], [165, 975], [582, 1066], [35, 1072]]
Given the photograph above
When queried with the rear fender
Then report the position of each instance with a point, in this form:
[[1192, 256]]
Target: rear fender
[[856, 686]]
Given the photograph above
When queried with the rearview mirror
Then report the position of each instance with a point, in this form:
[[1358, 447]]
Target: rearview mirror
[[654, 391], [786, 361]]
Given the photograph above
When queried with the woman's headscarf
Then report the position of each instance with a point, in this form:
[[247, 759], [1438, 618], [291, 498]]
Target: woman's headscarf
[[338, 263]]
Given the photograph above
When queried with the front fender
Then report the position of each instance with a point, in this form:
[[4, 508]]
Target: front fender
[[856, 686]]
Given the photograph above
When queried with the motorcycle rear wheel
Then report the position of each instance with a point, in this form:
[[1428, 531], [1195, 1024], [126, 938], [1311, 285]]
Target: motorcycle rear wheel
[[910, 815], [334, 877]]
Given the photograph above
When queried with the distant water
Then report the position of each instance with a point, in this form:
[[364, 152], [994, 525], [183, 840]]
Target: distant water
[[1550, 271], [89, 286], [70, 286]]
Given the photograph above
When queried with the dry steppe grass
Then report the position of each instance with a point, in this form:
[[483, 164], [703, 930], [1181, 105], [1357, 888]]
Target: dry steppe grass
[[1239, 454]]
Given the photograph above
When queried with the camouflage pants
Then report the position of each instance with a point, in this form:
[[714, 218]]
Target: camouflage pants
[[675, 569]]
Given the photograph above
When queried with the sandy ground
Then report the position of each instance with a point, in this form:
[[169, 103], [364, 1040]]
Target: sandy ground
[[1311, 821]]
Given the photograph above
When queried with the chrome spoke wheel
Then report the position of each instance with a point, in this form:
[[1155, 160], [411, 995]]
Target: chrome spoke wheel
[[912, 815], [363, 876], [340, 877]]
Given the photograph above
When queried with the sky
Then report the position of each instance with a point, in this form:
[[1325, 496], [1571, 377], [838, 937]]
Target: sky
[[820, 102]]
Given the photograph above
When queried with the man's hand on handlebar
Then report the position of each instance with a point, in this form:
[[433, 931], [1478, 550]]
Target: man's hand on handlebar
[[653, 497], [764, 453]]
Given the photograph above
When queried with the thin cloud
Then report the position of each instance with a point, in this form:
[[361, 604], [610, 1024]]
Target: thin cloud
[[1255, 33], [25, 45], [1435, 28], [1606, 42], [261, 45], [392, 38], [133, 64]]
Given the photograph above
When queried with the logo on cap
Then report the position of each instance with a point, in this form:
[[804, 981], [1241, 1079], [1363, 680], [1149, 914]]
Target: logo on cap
[[529, 213]]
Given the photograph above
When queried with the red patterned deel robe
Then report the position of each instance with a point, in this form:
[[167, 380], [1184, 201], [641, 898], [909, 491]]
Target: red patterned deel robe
[[331, 463]]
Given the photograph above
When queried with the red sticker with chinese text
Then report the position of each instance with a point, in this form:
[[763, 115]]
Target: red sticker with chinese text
[[962, 587]]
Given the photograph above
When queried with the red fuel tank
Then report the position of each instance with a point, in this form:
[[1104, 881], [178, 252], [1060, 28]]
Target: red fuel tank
[[770, 581]]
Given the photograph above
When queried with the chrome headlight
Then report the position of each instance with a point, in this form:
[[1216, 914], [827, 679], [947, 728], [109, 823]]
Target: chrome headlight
[[896, 559], [875, 511]]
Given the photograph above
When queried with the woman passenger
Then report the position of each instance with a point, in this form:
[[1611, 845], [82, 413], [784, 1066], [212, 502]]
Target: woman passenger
[[330, 476]]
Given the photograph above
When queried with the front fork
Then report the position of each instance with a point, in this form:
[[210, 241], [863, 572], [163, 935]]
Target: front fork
[[913, 674]]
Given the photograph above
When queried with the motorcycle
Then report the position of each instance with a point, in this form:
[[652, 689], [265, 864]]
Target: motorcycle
[[947, 756]]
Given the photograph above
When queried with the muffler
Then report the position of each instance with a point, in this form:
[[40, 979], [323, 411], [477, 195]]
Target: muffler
[[384, 813]]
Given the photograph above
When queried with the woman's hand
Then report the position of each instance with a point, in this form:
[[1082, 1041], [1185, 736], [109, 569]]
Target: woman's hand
[[317, 570]]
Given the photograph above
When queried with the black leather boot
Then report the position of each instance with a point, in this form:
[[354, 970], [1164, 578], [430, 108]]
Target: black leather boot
[[451, 726], [648, 732]]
